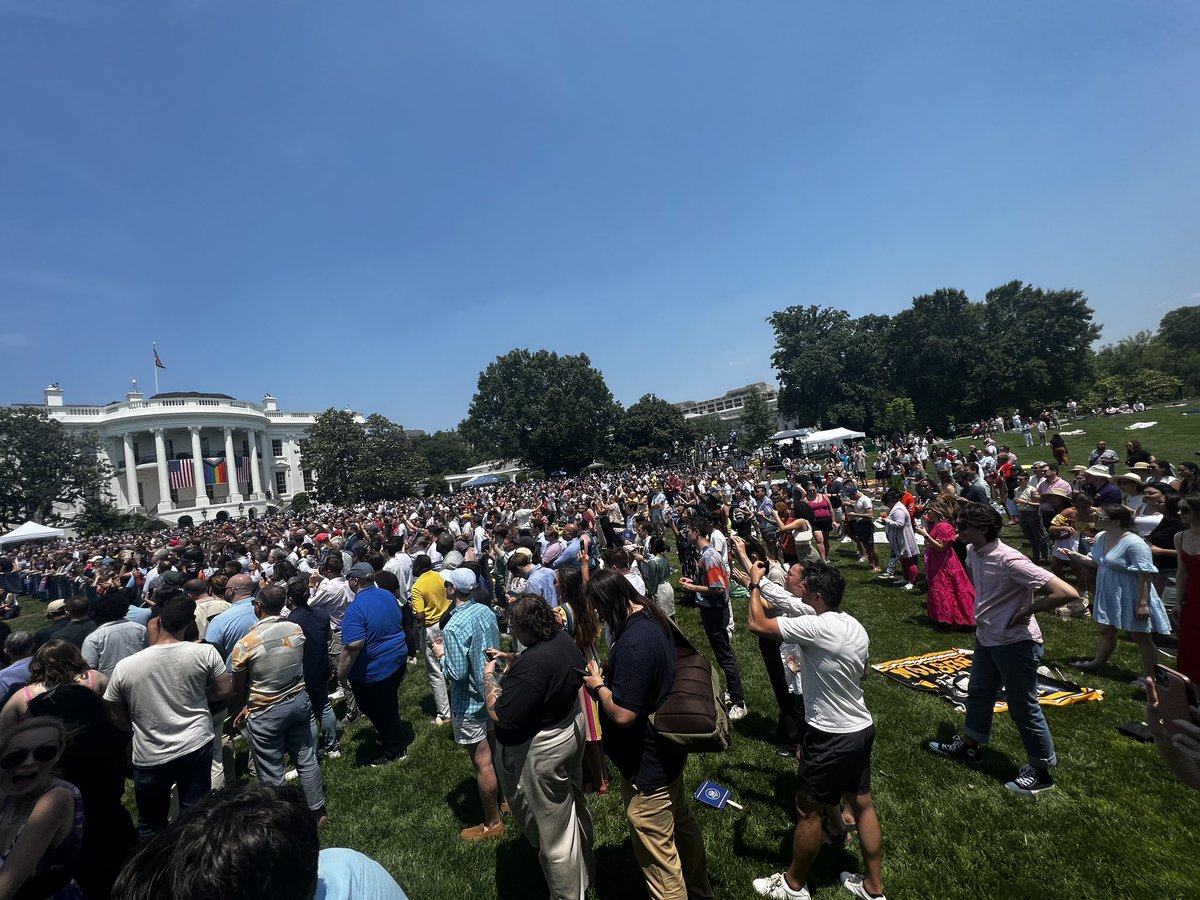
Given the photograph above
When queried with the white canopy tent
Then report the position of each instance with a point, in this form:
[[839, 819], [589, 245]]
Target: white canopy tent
[[830, 436], [31, 531]]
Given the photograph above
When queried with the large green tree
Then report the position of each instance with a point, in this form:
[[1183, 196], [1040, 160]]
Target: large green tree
[[1035, 346], [756, 424], [1178, 345], [333, 449], [47, 469], [355, 462], [936, 343], [832, 368], [445, 452], [388, 467], [648, 429], [555, 412]]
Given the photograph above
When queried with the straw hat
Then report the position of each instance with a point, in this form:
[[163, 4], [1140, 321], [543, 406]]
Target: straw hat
[[1098, 471], [1127, 476]]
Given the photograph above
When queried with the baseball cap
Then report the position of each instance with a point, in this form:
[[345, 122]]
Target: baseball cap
[[174, 577], [522, 556], [462, 580], [55, 606], [361, 570], [452, 560], [321, 537]]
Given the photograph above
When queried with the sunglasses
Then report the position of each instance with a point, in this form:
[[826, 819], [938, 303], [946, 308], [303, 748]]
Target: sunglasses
[[42, 754]]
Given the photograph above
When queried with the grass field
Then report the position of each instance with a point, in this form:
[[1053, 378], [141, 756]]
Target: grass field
[[1117, 825]]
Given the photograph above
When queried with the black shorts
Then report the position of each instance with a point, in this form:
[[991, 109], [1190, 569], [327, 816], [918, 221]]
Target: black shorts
[[835, 764], [823, 525], [864, 531]]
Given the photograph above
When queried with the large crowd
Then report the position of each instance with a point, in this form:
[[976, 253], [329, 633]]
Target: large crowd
[[540, 616]]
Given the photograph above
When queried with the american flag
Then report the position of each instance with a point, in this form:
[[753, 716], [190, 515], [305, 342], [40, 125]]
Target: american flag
[[181, 473], [243, 469]]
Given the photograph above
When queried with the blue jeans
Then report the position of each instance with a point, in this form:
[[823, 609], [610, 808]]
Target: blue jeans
[[322, 709], [278, 730], [1015, 667], [152, 787]]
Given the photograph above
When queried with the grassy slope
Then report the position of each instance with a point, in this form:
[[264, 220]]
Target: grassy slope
[[1117, 825]]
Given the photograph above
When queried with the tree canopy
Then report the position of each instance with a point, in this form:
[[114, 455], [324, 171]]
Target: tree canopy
[[554, 412], [354, 462], [756, 424], [951, 357], [46, 468], [445, 452], [648, 429]]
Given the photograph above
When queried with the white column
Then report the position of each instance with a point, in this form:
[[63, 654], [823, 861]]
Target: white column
[[255, 470], [164, 485], [267, 455], [198, 466], [293, 456], [131, 490], [235, 489]]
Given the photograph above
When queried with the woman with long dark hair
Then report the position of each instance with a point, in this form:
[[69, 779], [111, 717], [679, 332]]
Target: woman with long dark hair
[[637, 678], [579, 620], [55, 663]]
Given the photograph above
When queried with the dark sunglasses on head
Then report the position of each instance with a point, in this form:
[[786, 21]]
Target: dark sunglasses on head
[[14, 758]]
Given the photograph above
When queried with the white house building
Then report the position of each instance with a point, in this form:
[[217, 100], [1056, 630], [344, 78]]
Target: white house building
[[194, 453]]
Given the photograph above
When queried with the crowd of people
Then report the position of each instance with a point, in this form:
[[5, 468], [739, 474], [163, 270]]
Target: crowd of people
[[542, 615]]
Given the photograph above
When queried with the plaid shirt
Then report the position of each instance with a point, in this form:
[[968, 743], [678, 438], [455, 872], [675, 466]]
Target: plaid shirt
[[471, 630]]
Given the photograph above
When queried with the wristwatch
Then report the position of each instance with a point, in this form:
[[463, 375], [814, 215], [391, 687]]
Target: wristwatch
[[595, 692]]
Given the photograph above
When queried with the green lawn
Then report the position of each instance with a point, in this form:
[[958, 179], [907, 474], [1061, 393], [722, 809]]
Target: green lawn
[[1117, 825], [1175, 437]]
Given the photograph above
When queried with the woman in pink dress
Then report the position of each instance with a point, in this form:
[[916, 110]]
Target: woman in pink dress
[[1187, 609], [951, 598]]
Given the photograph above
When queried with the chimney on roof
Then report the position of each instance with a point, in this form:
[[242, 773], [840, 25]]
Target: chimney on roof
[[53, 395], [270, 404]]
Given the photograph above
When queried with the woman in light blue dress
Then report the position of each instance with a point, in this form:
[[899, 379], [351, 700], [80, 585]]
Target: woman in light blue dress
[[1125, 596]]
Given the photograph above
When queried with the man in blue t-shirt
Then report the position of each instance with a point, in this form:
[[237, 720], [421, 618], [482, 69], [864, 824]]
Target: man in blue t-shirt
[[375, 657]]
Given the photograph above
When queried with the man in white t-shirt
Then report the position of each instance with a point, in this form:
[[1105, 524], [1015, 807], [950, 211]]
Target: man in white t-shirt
[[161, 694], [837, 744]]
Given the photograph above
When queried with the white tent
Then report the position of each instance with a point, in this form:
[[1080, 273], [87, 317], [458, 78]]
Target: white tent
[[31, 531], [831, 436]]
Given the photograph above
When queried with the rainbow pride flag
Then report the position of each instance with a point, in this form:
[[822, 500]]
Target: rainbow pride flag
[[215, 471]]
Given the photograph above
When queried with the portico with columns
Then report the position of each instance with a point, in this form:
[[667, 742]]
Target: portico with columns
[[178, 453]]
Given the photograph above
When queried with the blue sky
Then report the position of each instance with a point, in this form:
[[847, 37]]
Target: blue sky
[[366, 203]]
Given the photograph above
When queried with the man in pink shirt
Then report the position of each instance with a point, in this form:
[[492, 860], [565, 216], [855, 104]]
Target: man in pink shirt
[[1008, 647]]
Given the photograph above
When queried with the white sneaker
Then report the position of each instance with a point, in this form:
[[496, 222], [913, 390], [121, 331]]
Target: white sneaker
[[845, 540], [339, 694], [899, 582], [291, 775], [776, 887], [854, 884], [908, 586], [737, 711]]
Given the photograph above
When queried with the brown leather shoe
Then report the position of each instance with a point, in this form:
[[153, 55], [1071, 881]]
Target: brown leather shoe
[[482, 832], [505, 808]]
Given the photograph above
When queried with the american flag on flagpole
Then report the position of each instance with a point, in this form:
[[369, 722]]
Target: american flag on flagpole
[[181, 473], [243, 469], [158, 363]]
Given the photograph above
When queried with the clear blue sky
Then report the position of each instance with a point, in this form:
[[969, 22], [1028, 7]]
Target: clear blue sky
[[366, 203]]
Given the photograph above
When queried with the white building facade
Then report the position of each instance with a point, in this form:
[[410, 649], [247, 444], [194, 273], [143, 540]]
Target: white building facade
[[191, 453]]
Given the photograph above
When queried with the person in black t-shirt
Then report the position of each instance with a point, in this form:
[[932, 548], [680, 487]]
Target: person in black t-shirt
[[540, 733], [637, 678]]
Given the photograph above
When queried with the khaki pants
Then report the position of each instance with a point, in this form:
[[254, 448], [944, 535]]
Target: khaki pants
[[667, 842], [543, 781]]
